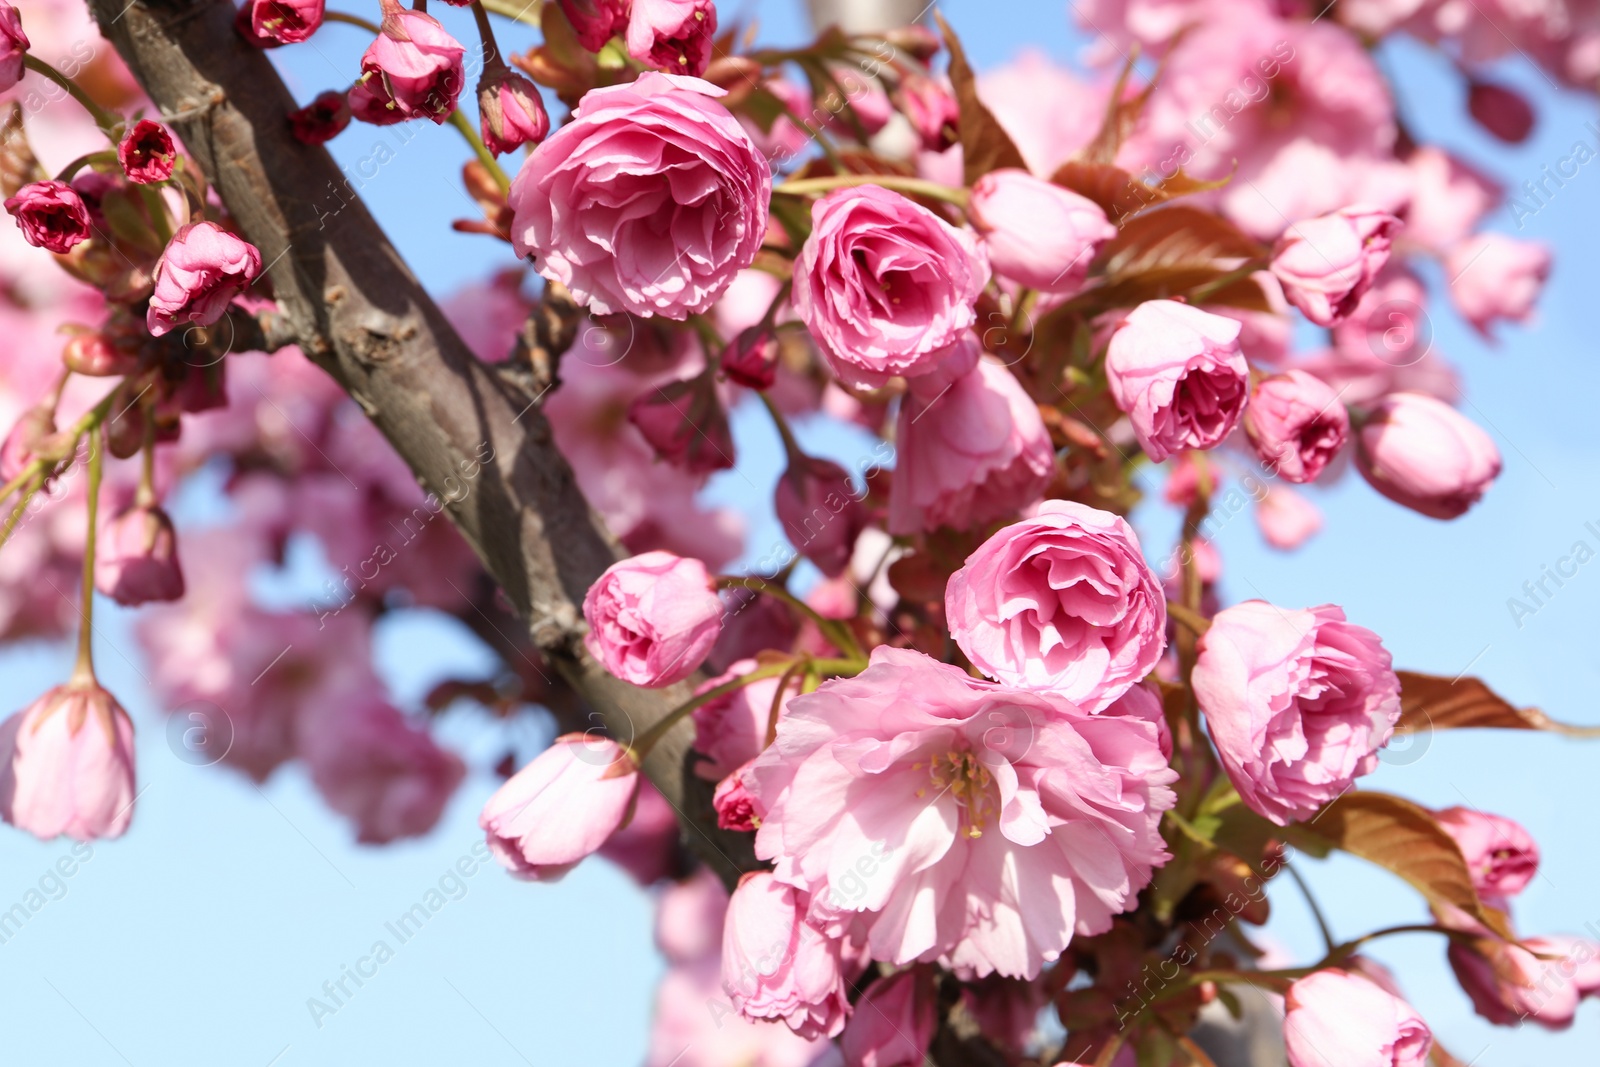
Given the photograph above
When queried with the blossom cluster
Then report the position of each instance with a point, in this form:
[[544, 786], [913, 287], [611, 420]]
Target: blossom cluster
[[987, 748]]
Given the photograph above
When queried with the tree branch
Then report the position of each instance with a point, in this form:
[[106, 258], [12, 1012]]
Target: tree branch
[[355, 308]]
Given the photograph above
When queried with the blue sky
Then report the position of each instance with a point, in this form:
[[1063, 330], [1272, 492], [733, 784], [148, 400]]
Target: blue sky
[[200, 936]]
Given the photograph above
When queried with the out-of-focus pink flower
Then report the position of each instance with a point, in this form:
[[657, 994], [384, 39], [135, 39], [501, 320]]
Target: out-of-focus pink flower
[[685, 423], [561, 807], [1449, 199], [268, 23], [864, 100], [1495, 277], [1502, 111], [51, 215], [489, 314], [696, 1026], [751, 358], [648, 846], [689, 918], [1035, 232], [1178, 373], [1338, 1017], [821, 511], [1510, 983], [1294, 110], [1297, 424], [648, 504], [649, 201], [66, 764], [732, 729], [1286, 518], [388, 776], [1326, 263], [894, 1023], [914, 782], [930, 107], [136, 558], [413, 69], [969, 454], [596, 21], [510, 112], [1422, 453], [652, 618], [885, 285], [14, 45], [1298, 702], [321, 120], [790, 131], [1502, 856], [147, 153], [1362, 376], [21, 446], [203, 268], [1007, 1011], [1062, 600], [776, 965], [1389, 326], [672, 35], [1022, 95]]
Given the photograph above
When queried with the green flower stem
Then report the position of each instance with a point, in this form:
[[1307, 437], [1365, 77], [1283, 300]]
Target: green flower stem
[[83, 670], [110, 124], [490, 164]]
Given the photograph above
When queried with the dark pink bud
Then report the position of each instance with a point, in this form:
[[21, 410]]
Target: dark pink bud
[[136, 559], [203, 268], [673, 35], [269, 23], [13, 45], [1504, 112], [321, 120], [146, 153], [751, 359], [821, 511], [596, 21], [510, 111], [685, 424], [736, 808], [412, 70], [51, 214], [94, 355]]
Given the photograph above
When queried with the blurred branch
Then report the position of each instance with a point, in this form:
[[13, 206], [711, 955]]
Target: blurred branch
[[355, 308]]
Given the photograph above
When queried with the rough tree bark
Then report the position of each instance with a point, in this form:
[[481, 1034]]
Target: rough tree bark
[[354, 307]]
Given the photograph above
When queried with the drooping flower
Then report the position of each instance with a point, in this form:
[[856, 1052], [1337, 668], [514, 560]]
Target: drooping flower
[[1297, 702]]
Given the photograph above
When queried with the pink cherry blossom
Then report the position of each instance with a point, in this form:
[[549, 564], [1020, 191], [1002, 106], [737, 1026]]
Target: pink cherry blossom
[[1422, 453], [652, 618], [1063, 601], [1501, 855], [674, 196], [885, 285], [917, 806], [66, 764], [1178, 373], [1338, 1017], [776, 965], [1297, 424], [560, 807], [1298, 702], [970, 453]]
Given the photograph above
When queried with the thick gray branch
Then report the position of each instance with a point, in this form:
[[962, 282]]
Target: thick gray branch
[[356, 309]]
